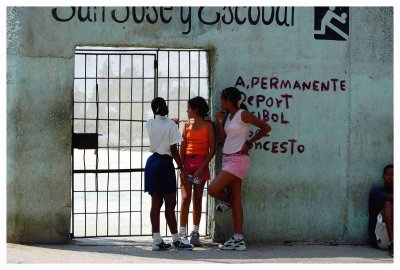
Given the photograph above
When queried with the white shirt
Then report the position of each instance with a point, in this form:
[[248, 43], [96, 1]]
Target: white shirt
[[237, 132], [163, 132]]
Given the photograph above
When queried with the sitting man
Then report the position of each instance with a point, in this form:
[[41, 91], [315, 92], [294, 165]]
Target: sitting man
[[380, 226]]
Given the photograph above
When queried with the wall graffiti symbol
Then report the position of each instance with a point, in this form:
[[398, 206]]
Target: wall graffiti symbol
[[331, 23]]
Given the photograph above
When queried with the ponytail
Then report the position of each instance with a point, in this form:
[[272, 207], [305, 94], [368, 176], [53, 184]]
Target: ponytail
[[243, 106], [159, 106], [162, 110], [235, 97]]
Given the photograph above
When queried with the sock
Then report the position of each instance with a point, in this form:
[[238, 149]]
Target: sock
[[195, 228], [182, 231], [237, 236], [157, 238], [175, 237]]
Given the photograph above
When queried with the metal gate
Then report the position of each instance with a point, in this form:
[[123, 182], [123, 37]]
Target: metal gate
[[113, 89]]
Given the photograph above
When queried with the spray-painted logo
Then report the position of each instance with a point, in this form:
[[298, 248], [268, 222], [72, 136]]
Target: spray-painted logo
[[331, 23]]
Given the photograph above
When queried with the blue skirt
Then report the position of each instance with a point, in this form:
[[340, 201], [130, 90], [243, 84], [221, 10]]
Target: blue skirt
[[159, 175]]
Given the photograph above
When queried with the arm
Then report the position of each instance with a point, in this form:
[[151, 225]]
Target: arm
[[388, 197], [182, 149], [265, 128], [211, 152], [182, 153], [222, 135], [377, 198], [175, 155], [175, 137], [179, 163]]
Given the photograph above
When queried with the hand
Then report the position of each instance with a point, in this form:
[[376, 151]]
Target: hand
[[220, 117], [176, 120], [198, 172], [244, 150]]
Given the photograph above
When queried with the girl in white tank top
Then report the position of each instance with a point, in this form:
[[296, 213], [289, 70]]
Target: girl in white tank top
[[236, 162], [237, 133]]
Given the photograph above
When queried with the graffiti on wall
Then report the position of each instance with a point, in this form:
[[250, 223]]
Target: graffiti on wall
[[272, 109], [280, 16]]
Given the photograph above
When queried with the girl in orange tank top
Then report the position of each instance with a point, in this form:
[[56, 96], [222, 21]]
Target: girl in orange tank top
[[196, 150], [197, 140]]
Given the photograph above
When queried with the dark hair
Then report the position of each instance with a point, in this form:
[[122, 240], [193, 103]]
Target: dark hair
[[159, 106], [200, 104], [390, 166], [233, 95]]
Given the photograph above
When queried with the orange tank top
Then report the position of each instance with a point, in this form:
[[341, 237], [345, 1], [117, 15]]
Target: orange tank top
[[196, 141]]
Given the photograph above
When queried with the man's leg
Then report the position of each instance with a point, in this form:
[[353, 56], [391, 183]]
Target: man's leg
[[387, 214]]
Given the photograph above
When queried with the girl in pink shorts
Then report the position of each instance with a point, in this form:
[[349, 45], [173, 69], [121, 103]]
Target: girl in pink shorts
[[236, 162]]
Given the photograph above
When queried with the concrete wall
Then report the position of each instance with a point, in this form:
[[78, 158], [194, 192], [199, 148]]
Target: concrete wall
[[309, 179]]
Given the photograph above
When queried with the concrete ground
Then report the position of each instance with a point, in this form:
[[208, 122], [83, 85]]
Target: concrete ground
[[138, 250]]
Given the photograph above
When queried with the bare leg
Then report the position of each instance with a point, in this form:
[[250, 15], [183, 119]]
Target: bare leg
[[221, 181], [170, 203], [197, 203], [387, 214], [156, 203], [235, 196], [186, 193]]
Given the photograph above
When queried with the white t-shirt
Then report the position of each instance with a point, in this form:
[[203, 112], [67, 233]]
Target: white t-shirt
[[163, 132], [237, 132]]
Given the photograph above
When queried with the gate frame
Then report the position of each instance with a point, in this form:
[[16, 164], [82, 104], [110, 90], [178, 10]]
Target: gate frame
[[83, 51]]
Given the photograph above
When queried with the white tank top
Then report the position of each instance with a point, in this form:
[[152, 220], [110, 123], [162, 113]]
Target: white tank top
[[237, 132]]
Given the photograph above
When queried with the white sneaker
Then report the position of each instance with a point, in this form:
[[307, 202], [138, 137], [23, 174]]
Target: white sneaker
[[232, 244], [223, 206]]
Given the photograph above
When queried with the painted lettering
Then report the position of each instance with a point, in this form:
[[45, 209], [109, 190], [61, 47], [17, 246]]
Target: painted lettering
[[269, 102], [343, 85], [237, 19], [267, 116], [266, 83], [279, 17], [84, 17], [282, 16], [251, 20], [240, 82], [58, 18], [187, 20], [271, 16], [149, 15], [254, 81], [162, 15], [223, 18], [202, 20], [274, 83], [124, 19], [289, 146], [135, 16]]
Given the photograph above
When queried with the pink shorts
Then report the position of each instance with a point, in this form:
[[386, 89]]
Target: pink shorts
[[192, 163], [236, 164]]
